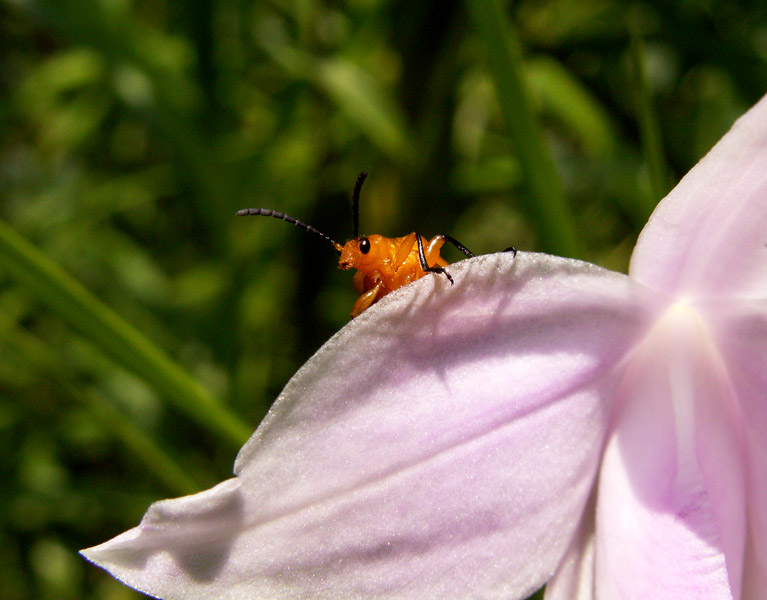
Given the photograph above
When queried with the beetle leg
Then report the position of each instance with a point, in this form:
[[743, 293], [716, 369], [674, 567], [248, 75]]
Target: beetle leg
[[431, 251], [366, 299], [359, 282], [424, 265], [460, 246]]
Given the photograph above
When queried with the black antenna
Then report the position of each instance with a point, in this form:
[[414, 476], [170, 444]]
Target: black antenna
[[265, 212], [356, 203]]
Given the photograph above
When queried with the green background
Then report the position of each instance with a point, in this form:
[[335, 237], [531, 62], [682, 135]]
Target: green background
[[145, 330]]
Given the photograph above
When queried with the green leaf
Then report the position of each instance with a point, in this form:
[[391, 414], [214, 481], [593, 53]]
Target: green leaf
[[504, 55], [649, 128], [575, 106], [356, 94], [115, 337]]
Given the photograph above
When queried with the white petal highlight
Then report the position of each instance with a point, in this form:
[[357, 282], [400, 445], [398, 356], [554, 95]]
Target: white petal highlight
[[671, 496], [443, 444], [708, 237]]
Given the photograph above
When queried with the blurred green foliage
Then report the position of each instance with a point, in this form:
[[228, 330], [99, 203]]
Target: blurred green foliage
[[144, 329]]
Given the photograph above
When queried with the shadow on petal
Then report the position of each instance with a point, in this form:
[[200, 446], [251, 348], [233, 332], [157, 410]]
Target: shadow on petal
[[197, 531]]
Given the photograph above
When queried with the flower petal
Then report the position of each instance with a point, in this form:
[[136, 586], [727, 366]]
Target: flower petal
[[443, 444], [574, 579], [707, 237], [742, 338], [671, 499]]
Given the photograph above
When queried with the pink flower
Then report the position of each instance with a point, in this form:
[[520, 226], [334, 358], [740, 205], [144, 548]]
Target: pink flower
[[544, 420]]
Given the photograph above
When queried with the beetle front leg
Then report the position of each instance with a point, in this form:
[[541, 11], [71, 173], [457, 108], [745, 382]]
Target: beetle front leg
[[366, 299], [359, 282], [424, 265]]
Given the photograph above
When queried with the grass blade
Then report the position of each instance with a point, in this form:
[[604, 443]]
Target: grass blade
[[649, 128], [114, 336], [548, 207]]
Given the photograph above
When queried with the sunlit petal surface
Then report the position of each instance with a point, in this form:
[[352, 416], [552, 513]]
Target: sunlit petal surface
[[574, 580], [443, 444], [708, 238], [672, 490], [741, 334]]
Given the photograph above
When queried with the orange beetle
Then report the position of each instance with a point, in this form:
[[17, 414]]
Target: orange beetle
[[383, 264]]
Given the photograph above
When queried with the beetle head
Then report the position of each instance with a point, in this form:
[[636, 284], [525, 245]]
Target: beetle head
[[363, 253]]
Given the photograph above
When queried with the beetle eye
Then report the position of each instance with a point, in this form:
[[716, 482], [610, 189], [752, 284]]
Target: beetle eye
[[364, 245]]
